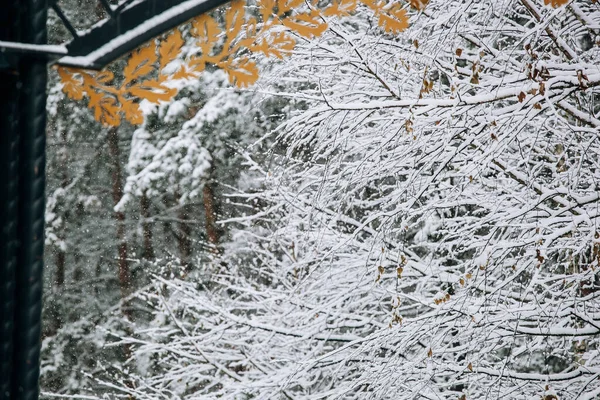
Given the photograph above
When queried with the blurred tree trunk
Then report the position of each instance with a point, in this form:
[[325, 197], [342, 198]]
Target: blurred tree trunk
[[210, 210], [117, 193], [58, 282], [148, 249], [183, 236]]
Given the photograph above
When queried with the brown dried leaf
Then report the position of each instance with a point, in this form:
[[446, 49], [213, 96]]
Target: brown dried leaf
[[539, 257], [556, 3], [542, 88], [418, 4]]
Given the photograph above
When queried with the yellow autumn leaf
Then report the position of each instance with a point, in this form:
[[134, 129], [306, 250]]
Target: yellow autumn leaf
[[170, 47], [153, 91], [238, 31], [89, 79], [242, 72], [374, 5], [308, 25], [72, 86], [284, 6], [276, 44], [106, 111], [393, 20], [197, 64], [340, 8], [266, 8], [132, 111], [104, 77], [207, 31], [281, 43], [183, 73], [234, 20], [140, 63], [418, 4], [94, 98]]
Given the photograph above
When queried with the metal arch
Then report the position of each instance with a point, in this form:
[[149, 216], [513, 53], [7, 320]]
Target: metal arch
[[129, 25]]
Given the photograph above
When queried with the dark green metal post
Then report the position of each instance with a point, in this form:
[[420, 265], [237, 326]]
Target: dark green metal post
[[22, 198], [30, 232], [9, 125], [8, 228]]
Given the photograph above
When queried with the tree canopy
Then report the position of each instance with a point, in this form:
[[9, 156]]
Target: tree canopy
[[404, 206]]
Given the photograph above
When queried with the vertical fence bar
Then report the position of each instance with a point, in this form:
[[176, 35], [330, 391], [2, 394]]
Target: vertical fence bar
[[31, 207], [8, 226], [9, 30]]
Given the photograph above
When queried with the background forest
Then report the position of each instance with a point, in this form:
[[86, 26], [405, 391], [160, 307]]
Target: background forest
[[383, 215]]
